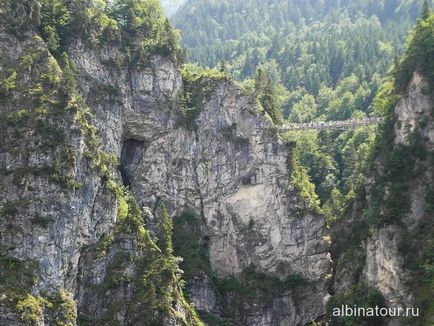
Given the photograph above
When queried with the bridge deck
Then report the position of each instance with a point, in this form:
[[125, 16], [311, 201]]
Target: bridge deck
[[344, 124]]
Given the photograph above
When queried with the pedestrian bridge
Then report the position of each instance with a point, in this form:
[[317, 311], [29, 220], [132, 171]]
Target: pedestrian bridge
[[343, 124]]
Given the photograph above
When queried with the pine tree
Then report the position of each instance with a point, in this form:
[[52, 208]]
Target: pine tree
[[165, 228], [426, 10], [260, 81], [223, 66]]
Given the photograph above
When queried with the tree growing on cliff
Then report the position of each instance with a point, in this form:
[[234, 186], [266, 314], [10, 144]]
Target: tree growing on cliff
[[270, 93]]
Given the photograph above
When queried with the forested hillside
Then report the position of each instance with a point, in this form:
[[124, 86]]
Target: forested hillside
[[308, 45]]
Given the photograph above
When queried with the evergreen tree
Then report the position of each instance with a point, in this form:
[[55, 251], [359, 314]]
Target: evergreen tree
[[426, 10], [165, 227]]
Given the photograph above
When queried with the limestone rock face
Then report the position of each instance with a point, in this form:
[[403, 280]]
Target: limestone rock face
[[413, 111], [231, 170], [414, 115], [51, 225], [203, 295], [384, 267]]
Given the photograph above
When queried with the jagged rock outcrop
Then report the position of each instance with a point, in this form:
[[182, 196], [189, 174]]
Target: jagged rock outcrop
[[233, 172], [384, 268]]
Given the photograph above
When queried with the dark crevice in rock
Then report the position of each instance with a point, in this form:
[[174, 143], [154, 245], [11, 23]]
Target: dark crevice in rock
[[132, 152], [195, 162], [156, 205], [78, 295]]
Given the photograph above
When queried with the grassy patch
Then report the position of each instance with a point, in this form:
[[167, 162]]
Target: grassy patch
[[31, 308], [42, 220], [11, 208]]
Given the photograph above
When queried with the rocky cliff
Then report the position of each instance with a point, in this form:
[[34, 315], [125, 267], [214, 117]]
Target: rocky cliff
[[103, 143]]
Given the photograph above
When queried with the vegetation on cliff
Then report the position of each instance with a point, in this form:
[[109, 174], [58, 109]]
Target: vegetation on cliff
[[138, 26], [41, 103], [199, 84], [294, 70], [395, 168], [306, 62], [316, 76], [156, 285]]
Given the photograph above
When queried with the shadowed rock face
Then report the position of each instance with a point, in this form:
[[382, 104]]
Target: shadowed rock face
[[131, 155]]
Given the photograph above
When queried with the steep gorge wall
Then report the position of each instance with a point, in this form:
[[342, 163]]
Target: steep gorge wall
[[71, 236], [394, 232], [384, 268], [231, 171]]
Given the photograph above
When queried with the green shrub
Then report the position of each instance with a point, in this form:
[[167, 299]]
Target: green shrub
[[187, 243], [253, 288], [42, 220], [11, 208], [32, 308], [211, 320], [16, 276], [64, 308], [8, 84]]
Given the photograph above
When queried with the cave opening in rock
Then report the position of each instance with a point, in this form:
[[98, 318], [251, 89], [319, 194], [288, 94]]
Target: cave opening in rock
[[131, 155]]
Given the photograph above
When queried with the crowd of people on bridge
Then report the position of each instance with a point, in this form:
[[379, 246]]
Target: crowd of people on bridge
[[332, 124]]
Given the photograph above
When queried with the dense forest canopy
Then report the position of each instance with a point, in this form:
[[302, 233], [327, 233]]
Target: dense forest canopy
[[216, 30], [308, 46]]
